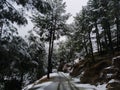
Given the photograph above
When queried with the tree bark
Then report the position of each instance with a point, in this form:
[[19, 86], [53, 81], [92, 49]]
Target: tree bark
[[85, 46], [1, 30], [91, 48], [109, 37], [98, 39], [118, 33], [116, 13], [49, 55]]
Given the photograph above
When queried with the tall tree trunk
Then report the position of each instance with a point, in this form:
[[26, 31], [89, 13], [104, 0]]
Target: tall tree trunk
[[52, 45], [49, 54], [85, 46], [105, 41], [21, 80], [52, 41], [91, 48], [118, 33], [1, 30], [109, 37], [117, 22], [98, 39]]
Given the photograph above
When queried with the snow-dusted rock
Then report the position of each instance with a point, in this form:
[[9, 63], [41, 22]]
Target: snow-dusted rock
[[113, 84], [116, 62]]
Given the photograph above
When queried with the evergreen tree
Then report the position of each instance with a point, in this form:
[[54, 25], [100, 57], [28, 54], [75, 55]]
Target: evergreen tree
[[37, 53], [95, 15], [9, 14], [114, 7], [84, 28], [106, 24], [16, 62], [51, 25]]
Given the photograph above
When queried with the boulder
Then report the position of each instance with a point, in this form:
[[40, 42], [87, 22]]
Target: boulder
[[113, 85], [116, 62], [92, 74], [108, 73]]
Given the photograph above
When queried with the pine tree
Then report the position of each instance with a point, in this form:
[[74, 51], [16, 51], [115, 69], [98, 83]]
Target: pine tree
[[95, 15], [38, 53], [106, 23], [16, 62], [9, 14], [114, 7], [51, 25]]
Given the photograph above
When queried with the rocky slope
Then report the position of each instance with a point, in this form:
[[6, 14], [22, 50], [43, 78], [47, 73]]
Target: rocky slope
[[104, 70]]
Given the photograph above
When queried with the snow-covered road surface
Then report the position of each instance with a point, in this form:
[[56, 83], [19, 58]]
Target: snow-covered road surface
[[61, 81]]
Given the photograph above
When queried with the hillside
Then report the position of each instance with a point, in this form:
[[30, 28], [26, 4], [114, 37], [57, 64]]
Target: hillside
[[105, 69]]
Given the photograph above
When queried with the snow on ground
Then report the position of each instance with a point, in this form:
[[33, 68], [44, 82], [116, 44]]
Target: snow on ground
[[76, 61], [40, 86], [65, 76], [109, 67], [116, 57], [109, 75], [92, 87], [88, 86], [42, 82], [27, 87], [75, 80], [101, 87], [113, 80]]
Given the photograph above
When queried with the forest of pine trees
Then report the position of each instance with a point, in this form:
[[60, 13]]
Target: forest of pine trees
[[95, 30], [21, 61]]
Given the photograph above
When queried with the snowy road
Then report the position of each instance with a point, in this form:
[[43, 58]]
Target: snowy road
[[60, 81]]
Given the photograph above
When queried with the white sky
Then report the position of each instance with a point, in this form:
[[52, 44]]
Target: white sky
[[73, 7]]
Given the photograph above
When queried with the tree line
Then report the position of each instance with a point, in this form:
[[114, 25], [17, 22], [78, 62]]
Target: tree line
[[96, 28], [23, 60]]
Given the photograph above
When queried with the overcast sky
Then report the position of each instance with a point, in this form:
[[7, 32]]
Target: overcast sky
[[74, 6]]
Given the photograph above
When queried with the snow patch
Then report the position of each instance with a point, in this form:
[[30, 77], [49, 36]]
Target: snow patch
[[113, 80], [40, 86], [109, 75], [109, 67], [116, 57], [76, 80], [76, 61], [86, 86], [101, 87], [54, 76]]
